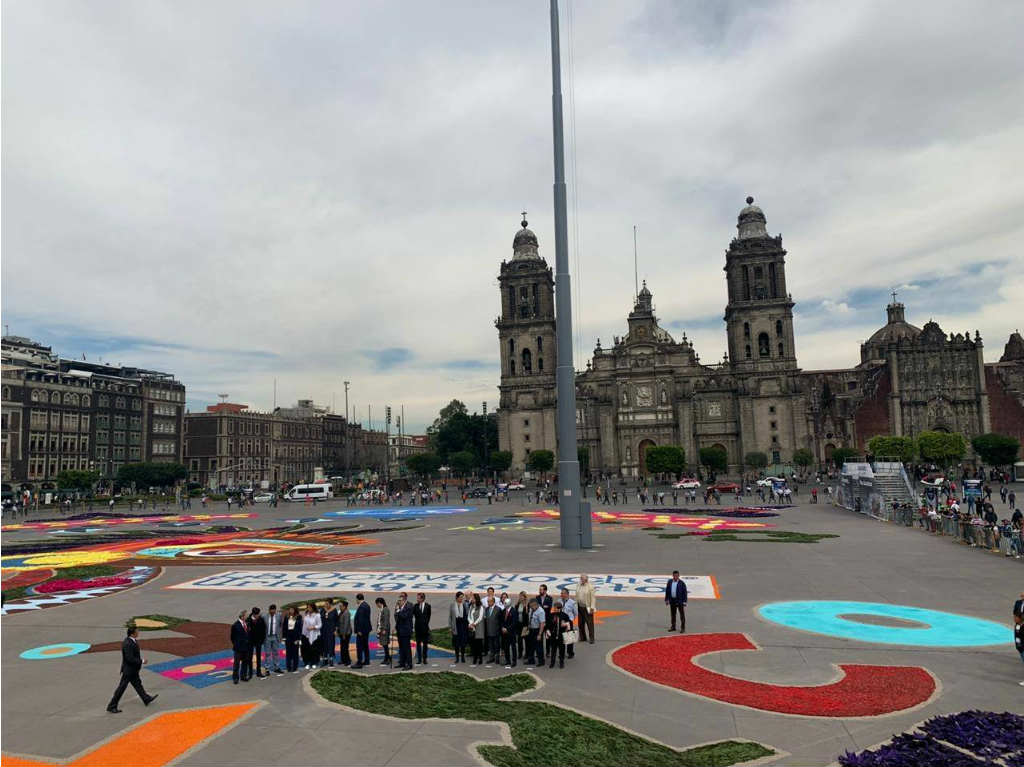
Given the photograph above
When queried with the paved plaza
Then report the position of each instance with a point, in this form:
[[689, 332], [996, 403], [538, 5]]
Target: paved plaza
[[874, 645]]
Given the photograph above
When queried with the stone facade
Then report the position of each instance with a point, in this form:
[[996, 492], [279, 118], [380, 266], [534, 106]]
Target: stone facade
[[648, 389]]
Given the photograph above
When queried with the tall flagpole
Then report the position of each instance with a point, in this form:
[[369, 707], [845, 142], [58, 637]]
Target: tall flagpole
[[574, 525]]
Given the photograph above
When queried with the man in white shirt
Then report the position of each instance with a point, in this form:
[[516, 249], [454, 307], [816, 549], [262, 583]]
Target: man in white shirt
[[586, 603]]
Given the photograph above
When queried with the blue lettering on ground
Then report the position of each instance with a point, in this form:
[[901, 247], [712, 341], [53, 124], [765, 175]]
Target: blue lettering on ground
[[939, 629]]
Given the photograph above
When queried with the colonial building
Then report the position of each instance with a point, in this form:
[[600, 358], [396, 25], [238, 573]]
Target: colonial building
[[650, 389], [62, 414]]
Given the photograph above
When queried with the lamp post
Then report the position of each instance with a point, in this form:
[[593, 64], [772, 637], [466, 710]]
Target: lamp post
[[348, 436], [574, 520]]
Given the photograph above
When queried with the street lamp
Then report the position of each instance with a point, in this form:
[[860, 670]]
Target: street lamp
[[348, 434]]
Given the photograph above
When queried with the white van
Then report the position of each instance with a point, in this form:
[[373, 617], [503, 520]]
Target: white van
[[319, 492]]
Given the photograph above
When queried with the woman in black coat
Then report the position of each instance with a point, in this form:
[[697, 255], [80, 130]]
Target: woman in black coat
[[292, 639]]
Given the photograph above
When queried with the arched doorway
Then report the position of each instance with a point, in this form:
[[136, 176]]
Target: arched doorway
[[829, 449], [642, 454]]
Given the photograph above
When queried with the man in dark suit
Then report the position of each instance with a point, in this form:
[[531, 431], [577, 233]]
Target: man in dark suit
[[403, 628], [543, 599], [131, 664], [1018, 607], [421, 624], [675, 598], [510, 634], [257, 636], [241, 667], [328, 630], [362, 625], [492, 630]]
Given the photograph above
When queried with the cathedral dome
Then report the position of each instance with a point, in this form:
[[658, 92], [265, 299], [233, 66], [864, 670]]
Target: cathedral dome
[[895, 330], [751, 221], [524, 244]]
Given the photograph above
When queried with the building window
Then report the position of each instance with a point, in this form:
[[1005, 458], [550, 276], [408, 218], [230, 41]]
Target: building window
[[778, 327], [748, 351], [104, 400], [772, 283], [851, 385], [55, 397], [771, 408], [526, 422], [136, 404], [540, 364], [763, 345], [775, 424], [120, 421], [746, 330], [746, 283], [540, 344], [527, 362], [780, 349], [536, 300], [120, 403], [775, 439], [526, 438], [86, 400]]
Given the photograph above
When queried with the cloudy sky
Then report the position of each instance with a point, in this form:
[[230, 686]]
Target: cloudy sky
[[314, 192]]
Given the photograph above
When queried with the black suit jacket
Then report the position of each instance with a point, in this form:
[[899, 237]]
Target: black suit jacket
[[362, 623], [421, 617], [403, 620], [680, 592], [545, 602], [240, 638], [257, 630], [1018, 607], [131, 657], [510, 621]]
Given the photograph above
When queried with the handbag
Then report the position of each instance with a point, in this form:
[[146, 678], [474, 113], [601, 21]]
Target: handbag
[[570, 636]]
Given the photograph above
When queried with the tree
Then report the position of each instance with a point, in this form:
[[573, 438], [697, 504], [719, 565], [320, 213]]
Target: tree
[[455, 430], [462, 461], [665, 459], [756, 460], [77, 480], [423, 464], [996, 449], [888, 446], [843, 454], [540, 460], [803, 457], [715, 458], [583, 456], [146, 475], [941, 447], [501, 460]]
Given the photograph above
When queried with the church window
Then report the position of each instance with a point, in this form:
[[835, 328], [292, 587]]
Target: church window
[[775, 424], [763, 347], [780, 349], [540, 364], [772, 282], [746, 330], [746, 283], [512, 367], [748, 351], [540, 344], [526, 422], [526, 438], [512, 301], [778, 327], [536, 300], [527, 362], [511, 346], [758, 283]]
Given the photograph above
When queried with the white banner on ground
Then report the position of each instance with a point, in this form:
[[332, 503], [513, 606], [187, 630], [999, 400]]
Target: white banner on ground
[[698, 586]]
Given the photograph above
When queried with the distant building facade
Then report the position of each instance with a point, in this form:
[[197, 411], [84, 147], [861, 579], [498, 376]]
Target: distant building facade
[[648, 389], [61, 415]]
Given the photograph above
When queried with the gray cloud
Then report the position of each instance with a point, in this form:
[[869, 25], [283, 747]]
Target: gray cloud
[[314, 180]]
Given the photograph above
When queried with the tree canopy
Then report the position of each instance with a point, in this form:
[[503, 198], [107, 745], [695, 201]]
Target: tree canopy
[[996, 449], [423, 464], [889, 446], [756, 460], [145, 475], [843, 454], [77, 480], [803, 457], [500, 460], [462, 462], [540, 460], [715, 458], [456, 431], [583, 456], [940, 447], [665, 459]]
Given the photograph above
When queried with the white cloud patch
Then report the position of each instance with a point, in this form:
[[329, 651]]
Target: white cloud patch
[[335, 184]]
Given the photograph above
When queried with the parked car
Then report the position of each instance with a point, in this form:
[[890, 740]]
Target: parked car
[[477, 492], [687, 483], [725, 487], [263, 498], [516, 486], [769, 481]]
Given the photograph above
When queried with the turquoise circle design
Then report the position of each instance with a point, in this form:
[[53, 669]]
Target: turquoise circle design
[[942, 629], [68, 649]]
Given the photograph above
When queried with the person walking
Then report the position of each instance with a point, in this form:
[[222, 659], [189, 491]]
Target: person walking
[[241, 666], [384, 629], [292, 639], [403, 628], [131, 665], [362, 626], [257, 636], [344, 634], [675, 598], [421, 624], [458, 625], [477, 629], [311, 625], [586, 603]]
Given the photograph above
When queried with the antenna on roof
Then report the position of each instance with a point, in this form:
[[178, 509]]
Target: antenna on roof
[[223, 397]]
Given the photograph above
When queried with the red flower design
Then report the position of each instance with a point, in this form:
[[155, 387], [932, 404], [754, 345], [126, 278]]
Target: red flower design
[[862, 691], [73, 584]]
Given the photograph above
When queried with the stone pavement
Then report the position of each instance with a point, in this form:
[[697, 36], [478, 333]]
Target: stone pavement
[[869, 562]]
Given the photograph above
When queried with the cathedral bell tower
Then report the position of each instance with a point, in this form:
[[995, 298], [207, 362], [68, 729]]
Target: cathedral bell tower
[[526, 340], [759, 315]]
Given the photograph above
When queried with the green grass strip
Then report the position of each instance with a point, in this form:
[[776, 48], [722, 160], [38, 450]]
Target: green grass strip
[[84, 572], [170, 621], [543, 733]]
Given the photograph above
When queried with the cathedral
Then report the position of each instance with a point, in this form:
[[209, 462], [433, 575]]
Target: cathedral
[[649, 389]]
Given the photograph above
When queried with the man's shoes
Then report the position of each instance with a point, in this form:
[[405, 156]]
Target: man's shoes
[[356, 666], [552, 664], [561, 664], [235, 681], [590, 641], [278, 671], [118, 711], [671, 628], [151, 698]]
